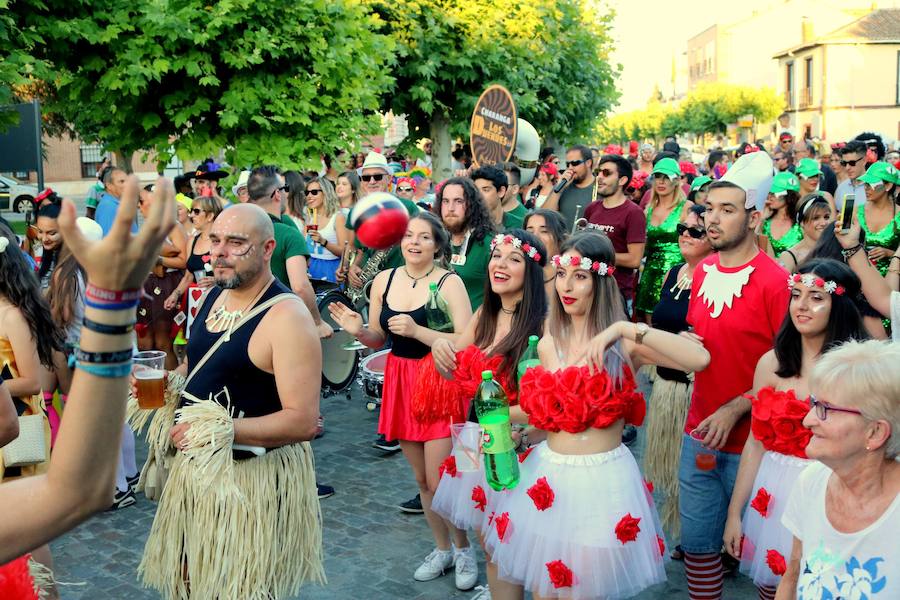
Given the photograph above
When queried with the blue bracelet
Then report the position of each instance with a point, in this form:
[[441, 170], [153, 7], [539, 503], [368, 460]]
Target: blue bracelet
[[111, 305], [110, 371]]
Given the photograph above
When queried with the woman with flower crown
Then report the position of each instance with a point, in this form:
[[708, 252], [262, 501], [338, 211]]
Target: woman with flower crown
[[514, 308], [581, 522], [821, 315]]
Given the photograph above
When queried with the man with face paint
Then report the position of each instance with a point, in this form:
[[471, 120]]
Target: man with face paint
[[738, 300], [248, 409]]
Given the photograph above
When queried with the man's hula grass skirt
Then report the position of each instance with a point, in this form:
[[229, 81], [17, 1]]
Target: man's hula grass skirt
[[666, 414], [248, 529]]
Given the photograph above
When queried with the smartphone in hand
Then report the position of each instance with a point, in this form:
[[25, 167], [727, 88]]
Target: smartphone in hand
[[847, 212]]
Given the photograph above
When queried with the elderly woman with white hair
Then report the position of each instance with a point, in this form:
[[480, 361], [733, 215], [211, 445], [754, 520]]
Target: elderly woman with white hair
[[844, 511]]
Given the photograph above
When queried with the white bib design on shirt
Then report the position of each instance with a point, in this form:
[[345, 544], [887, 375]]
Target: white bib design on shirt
[[719, 289]]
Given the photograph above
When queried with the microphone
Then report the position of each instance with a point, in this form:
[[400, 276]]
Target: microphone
[[559, 186]]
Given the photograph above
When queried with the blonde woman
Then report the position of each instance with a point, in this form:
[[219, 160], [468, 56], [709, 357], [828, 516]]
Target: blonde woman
[[326, 229]]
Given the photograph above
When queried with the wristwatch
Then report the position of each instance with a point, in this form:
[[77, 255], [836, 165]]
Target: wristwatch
[[640, 330]]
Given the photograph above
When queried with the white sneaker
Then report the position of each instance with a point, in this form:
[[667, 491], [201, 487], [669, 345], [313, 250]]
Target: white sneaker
[[435, 565], [484, 593], [466, 569]]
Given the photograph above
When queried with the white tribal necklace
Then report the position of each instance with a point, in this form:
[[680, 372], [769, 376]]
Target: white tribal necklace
[[684, 283], [222, 319]]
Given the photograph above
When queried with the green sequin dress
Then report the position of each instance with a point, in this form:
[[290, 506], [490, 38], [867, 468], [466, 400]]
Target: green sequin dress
[[888, 237], [661, 254], [791, 238]]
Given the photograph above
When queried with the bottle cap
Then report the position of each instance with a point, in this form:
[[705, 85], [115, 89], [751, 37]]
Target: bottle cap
[[432, 286], [487, 375], [533, 339]]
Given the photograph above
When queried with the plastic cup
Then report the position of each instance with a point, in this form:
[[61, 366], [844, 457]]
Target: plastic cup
[[150, 376], [466, 438], [705, 460]]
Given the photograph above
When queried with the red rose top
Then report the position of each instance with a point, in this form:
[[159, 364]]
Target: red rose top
[[574, 399], [777, 421], [469, 365]]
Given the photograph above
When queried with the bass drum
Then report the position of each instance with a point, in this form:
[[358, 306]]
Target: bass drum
[[339, 366]]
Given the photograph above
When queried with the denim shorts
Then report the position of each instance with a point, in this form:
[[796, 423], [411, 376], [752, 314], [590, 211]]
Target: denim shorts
[[704, 497]]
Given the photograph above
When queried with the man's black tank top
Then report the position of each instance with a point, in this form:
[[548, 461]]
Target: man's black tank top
[[252, 391], [405, 347]]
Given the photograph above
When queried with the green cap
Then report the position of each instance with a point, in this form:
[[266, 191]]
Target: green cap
[[808, 167], [879, 172], [783, 182], [487, 375], [533, 340], [699, 182], [667, 166]]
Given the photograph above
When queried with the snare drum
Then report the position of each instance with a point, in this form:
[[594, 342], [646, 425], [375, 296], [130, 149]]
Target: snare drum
[[372, 377], [339, 366]]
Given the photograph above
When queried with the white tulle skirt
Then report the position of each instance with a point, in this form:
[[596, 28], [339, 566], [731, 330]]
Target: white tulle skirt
[[578, 526], [465, 499], [777, 475]]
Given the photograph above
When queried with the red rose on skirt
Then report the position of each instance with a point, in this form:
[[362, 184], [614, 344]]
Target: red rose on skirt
[[560, 575], [627, 529], [648, 485], [479, 497], [502, 524], [662, 545], [541, 494], [448, 467], [525, 454], [776, 562], [761, 502]]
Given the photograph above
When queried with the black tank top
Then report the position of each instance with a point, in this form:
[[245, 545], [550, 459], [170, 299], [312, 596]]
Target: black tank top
[[671, 315], [404, 347], [195, 262], [252, 390]]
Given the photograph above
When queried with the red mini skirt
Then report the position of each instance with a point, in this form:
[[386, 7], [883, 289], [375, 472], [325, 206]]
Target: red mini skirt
[[396, 420]]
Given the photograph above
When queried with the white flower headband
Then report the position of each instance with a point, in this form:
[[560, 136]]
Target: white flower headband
[[529, 250], [810, 280], [585, 263]]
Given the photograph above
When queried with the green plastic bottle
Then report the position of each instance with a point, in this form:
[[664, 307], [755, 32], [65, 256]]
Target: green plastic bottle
[[437, 313], [501, 465], [529, 358]]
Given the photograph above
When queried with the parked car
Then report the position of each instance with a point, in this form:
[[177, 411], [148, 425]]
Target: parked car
[[17, 196]]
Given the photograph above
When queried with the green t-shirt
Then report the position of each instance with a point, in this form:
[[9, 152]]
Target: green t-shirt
[[474, 271], [515, 218], [288, 244]]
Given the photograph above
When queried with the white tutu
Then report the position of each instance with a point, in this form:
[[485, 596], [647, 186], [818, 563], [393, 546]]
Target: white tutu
[[459, 499], [578, 526], [777, 475]]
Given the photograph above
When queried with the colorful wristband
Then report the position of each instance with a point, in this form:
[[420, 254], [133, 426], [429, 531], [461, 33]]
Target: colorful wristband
[[108, 329], [103, 357], [108, 370], [98, 294], [101, 305]]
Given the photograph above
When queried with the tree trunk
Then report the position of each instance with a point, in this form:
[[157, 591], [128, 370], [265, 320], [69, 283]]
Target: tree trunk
[[440, 148], [123, 161]]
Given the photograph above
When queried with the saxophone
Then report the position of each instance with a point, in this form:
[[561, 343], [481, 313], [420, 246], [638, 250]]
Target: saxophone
[[372, 267]]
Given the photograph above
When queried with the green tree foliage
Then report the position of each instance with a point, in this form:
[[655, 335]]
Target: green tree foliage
[[18, 65], [278, 81], [552, 55]]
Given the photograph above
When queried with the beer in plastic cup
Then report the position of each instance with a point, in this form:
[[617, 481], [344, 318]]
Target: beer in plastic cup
[[150, 378]]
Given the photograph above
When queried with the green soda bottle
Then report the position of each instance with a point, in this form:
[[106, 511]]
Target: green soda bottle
[[437, 313], [501, 465], [529, 358]]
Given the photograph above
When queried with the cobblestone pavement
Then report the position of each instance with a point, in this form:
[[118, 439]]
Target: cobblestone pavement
[[371, 548]]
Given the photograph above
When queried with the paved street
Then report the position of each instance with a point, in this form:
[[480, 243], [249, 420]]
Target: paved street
[[371, 548]]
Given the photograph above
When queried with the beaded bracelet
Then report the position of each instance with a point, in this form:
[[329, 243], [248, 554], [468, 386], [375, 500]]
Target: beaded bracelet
[[110, 371], [849, 252], [108, 329], [103, 357]]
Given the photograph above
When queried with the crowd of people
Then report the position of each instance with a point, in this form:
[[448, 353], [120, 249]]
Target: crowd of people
[[756, 316]]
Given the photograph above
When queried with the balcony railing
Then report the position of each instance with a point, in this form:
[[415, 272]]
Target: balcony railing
[[805, 97], [789, 98]]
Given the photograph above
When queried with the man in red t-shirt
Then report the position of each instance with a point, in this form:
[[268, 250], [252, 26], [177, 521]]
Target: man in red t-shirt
[[620, 219], [739, 297]]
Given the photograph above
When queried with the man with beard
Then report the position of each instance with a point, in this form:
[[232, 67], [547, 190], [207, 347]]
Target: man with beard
[[579, 189], [240, 512], [738, 301], [464, 214], [623, 222]]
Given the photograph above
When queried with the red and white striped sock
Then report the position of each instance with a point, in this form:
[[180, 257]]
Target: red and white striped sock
[[704, 576], [766, 593]]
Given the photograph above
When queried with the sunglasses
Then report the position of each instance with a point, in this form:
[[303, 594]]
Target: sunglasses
[[849, 163], [608, 172], [376, 177], [575, 163], [822, 408], [404, 189], [196, 211], [313, 192], [661, 177], [285, 188], [698, 233]]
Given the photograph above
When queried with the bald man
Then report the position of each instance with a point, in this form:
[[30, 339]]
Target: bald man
[[254, 367]]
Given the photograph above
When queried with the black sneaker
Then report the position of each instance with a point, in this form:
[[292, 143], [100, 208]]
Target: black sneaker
[[122, 499], [629, 435], [382, 444], [413, 506], [325, 491], [133, 481]]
